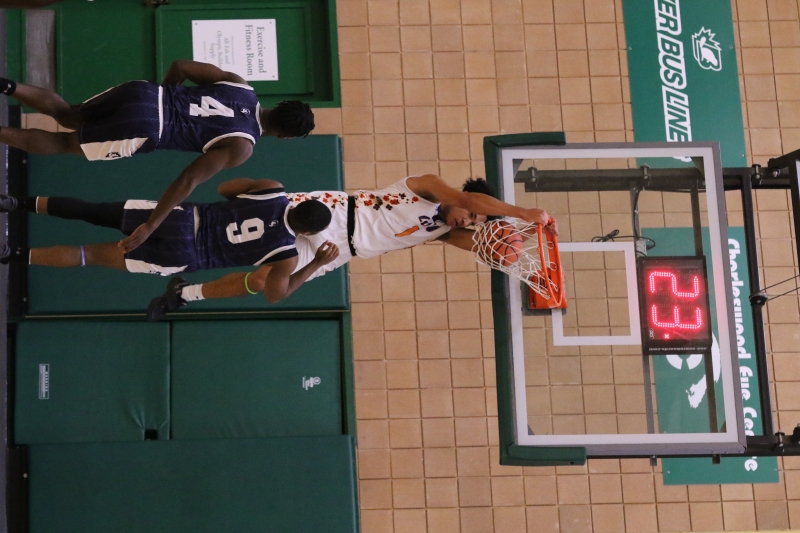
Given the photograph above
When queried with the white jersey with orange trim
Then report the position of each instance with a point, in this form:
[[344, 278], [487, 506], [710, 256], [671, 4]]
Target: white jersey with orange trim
[[389, 219]]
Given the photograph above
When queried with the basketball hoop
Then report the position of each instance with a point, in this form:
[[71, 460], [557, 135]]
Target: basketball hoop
[[535, 261]]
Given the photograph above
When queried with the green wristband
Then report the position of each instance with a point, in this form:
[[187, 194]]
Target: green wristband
[[245, 284]]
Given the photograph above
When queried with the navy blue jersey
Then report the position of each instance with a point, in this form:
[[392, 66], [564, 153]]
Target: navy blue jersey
[[251, 229], [197, 117]]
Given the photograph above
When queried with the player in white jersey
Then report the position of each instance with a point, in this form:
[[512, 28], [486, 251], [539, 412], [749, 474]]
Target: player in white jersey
[[366, 224]]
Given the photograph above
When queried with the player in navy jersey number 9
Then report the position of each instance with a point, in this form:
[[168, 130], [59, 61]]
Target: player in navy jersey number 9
[[219, 117], [255, 226]]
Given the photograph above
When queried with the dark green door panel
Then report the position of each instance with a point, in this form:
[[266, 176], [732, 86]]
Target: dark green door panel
[[91, 381]]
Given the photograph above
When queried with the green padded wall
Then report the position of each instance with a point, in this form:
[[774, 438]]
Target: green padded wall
[[307, 164], [87, 42], [282, 485], [249, 378], [105, 381]]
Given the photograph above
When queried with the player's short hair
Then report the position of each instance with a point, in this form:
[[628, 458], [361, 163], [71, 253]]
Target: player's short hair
[[479, 185], [309, 216], [292, 118]]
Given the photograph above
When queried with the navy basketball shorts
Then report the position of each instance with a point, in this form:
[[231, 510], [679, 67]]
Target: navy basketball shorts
[[122, 121], [171, 247]]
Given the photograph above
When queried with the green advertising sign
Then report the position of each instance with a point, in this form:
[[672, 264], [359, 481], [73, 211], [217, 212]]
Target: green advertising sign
[[681, 393], [683, 75]]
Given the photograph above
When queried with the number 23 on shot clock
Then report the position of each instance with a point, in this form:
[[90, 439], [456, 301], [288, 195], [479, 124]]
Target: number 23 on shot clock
[[674, 305]]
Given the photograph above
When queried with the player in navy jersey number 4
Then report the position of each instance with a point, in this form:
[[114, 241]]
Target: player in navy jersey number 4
[[255, 226], [220, 117]]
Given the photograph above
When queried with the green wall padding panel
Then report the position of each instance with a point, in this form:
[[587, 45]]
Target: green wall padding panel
[[307, 164], [282, 485], [103, 43], [249, 378], [102, 381]]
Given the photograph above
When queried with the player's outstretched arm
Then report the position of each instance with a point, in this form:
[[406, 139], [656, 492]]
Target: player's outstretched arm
[[200, 170], [232, 188], [199, 73], [435, 189], [280, 281]]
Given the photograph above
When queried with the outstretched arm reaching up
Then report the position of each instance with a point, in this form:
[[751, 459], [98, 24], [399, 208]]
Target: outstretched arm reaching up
[[435, 189]]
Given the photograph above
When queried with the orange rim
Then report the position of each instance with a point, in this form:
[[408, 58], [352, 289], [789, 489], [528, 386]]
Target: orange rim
[[557, 296]]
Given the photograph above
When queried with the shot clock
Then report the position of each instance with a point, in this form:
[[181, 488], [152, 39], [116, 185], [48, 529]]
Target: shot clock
[[675, 314]]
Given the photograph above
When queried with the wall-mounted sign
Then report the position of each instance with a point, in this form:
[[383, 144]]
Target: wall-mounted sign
[[684, 81], [681, 394], [248, 48]]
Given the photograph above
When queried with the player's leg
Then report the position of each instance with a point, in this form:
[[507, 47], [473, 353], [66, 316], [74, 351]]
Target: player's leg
[[179, 292], [236, 284], [44, 101], [107, 255], [122, 121], [105, 214], [41, 142]]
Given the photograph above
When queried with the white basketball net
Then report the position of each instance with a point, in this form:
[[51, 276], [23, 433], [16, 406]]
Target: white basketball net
[[528, 267]]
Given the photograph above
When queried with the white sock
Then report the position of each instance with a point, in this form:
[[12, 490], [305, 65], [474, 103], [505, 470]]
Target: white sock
[[192, 293]]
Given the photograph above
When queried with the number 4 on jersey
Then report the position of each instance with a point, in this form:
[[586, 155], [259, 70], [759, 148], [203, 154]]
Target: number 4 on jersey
[[209, 107]]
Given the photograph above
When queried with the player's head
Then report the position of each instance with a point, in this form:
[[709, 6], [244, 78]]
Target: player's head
[[290, 118], [458, 217], [309, 217]]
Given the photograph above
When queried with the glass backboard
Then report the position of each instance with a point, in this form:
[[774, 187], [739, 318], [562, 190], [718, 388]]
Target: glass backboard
[[644, 359]]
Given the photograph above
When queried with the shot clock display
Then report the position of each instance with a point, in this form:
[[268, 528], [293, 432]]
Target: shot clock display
[[675, 314]]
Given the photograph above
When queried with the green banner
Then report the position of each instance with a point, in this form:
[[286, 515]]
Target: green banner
[[683, 75], [681, 394]]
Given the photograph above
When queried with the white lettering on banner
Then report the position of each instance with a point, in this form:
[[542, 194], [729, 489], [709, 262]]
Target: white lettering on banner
[[668, 16], [676, 115], [672, 63], [746, 372], [670, 58]]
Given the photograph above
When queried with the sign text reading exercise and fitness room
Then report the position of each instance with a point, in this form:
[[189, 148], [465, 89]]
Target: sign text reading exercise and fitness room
[[248, 48]]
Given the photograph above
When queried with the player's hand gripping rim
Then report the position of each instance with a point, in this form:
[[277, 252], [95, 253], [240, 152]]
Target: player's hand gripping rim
[[540, 216]]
